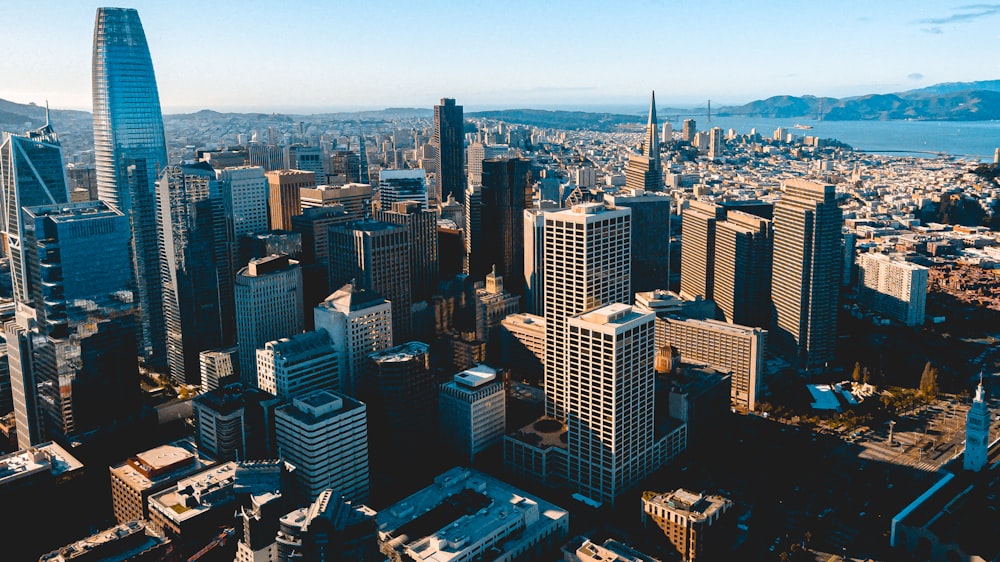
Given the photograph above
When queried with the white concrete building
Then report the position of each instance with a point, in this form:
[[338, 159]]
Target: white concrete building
[[268, 307], [611, 425], [324, 435], [360, 323], [299, 365], [472, 410], [893, 287]]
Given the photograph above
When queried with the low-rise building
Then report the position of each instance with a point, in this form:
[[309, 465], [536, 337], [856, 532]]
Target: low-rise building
[[694, 523]]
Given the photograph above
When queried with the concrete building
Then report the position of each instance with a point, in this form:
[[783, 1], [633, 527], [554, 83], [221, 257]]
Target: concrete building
[[583, 270], [690, 521], [148, 472], [285, 199], [715, 138], [665, 303], [476, 153], [306, 159], [268, 307], [977, 432], [895, 288], [402, 396], [728, 348], [493, 304], [401, 185], [651, 218], [314, 224], [472, 203], [375, 255], [219, 366], [422, 229], [324, 435], [504, 521], [134, 540], [355, 197], [611, 401], [688, 130], [472, 411], [298, 365], [245, 198], [231, 422], [359, 322], [329, 529], [742, 268], [806, 273], [698, 222]]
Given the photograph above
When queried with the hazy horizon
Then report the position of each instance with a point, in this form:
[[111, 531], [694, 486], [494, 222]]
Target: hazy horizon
[[307, 57]]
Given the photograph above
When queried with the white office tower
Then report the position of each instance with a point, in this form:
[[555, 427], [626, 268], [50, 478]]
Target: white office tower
[[534, 260], [401, 185], [585, 177], [324, 435], [977, 432], [360, 323], [217, 365], [587, 265], [245, 197], [893, 287], [476, 153], [609, 363], [472, 411], [298, 365], [668, 133], [268, 307]]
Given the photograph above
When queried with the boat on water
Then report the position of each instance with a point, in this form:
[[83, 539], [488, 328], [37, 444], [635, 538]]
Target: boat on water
[[801, 126]]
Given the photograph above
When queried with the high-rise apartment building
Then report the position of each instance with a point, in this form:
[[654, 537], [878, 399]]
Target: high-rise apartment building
[[31, 173], [893, 287], [422, 229], [698, 248], [245, 198], [806, 272], [376, 256], [130, 152], [268, 307], [448, 139], [324, 435], [651, 217], [472, 411], [609, 365], [194, 268], [401, 185], [715, 138], [297, 365], [284, 197], [473, 230], [505, 194], [359, 322], [644, 171], [587, 265], [688, 130], [742, 268]]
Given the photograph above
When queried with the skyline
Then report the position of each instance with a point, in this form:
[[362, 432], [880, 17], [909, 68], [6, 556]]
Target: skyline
[[375, 55]]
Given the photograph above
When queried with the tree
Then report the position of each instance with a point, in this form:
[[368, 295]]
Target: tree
[[867, 376], [856, 375], [929, 381]]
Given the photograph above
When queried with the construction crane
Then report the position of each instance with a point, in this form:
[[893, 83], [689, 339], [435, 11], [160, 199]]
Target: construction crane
[[220, 540]]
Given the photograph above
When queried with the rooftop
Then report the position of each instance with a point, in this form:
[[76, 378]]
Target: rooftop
[[693, 504], [46, 458], [476, 376], [196, 494], [403, 352], [460, 511], [125, 535]]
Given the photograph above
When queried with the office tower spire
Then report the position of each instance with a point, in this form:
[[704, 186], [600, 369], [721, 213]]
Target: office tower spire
[[130, 150], [643, 170], [652, 145]]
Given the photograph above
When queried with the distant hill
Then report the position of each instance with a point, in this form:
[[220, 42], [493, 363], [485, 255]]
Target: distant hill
[[14, 116], [570, 120], [956, 101]]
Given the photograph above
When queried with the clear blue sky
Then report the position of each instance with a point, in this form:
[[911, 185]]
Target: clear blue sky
[[255, 55]]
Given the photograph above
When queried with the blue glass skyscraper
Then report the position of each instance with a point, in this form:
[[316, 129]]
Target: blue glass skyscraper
[[31, 173], [130, 151]]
